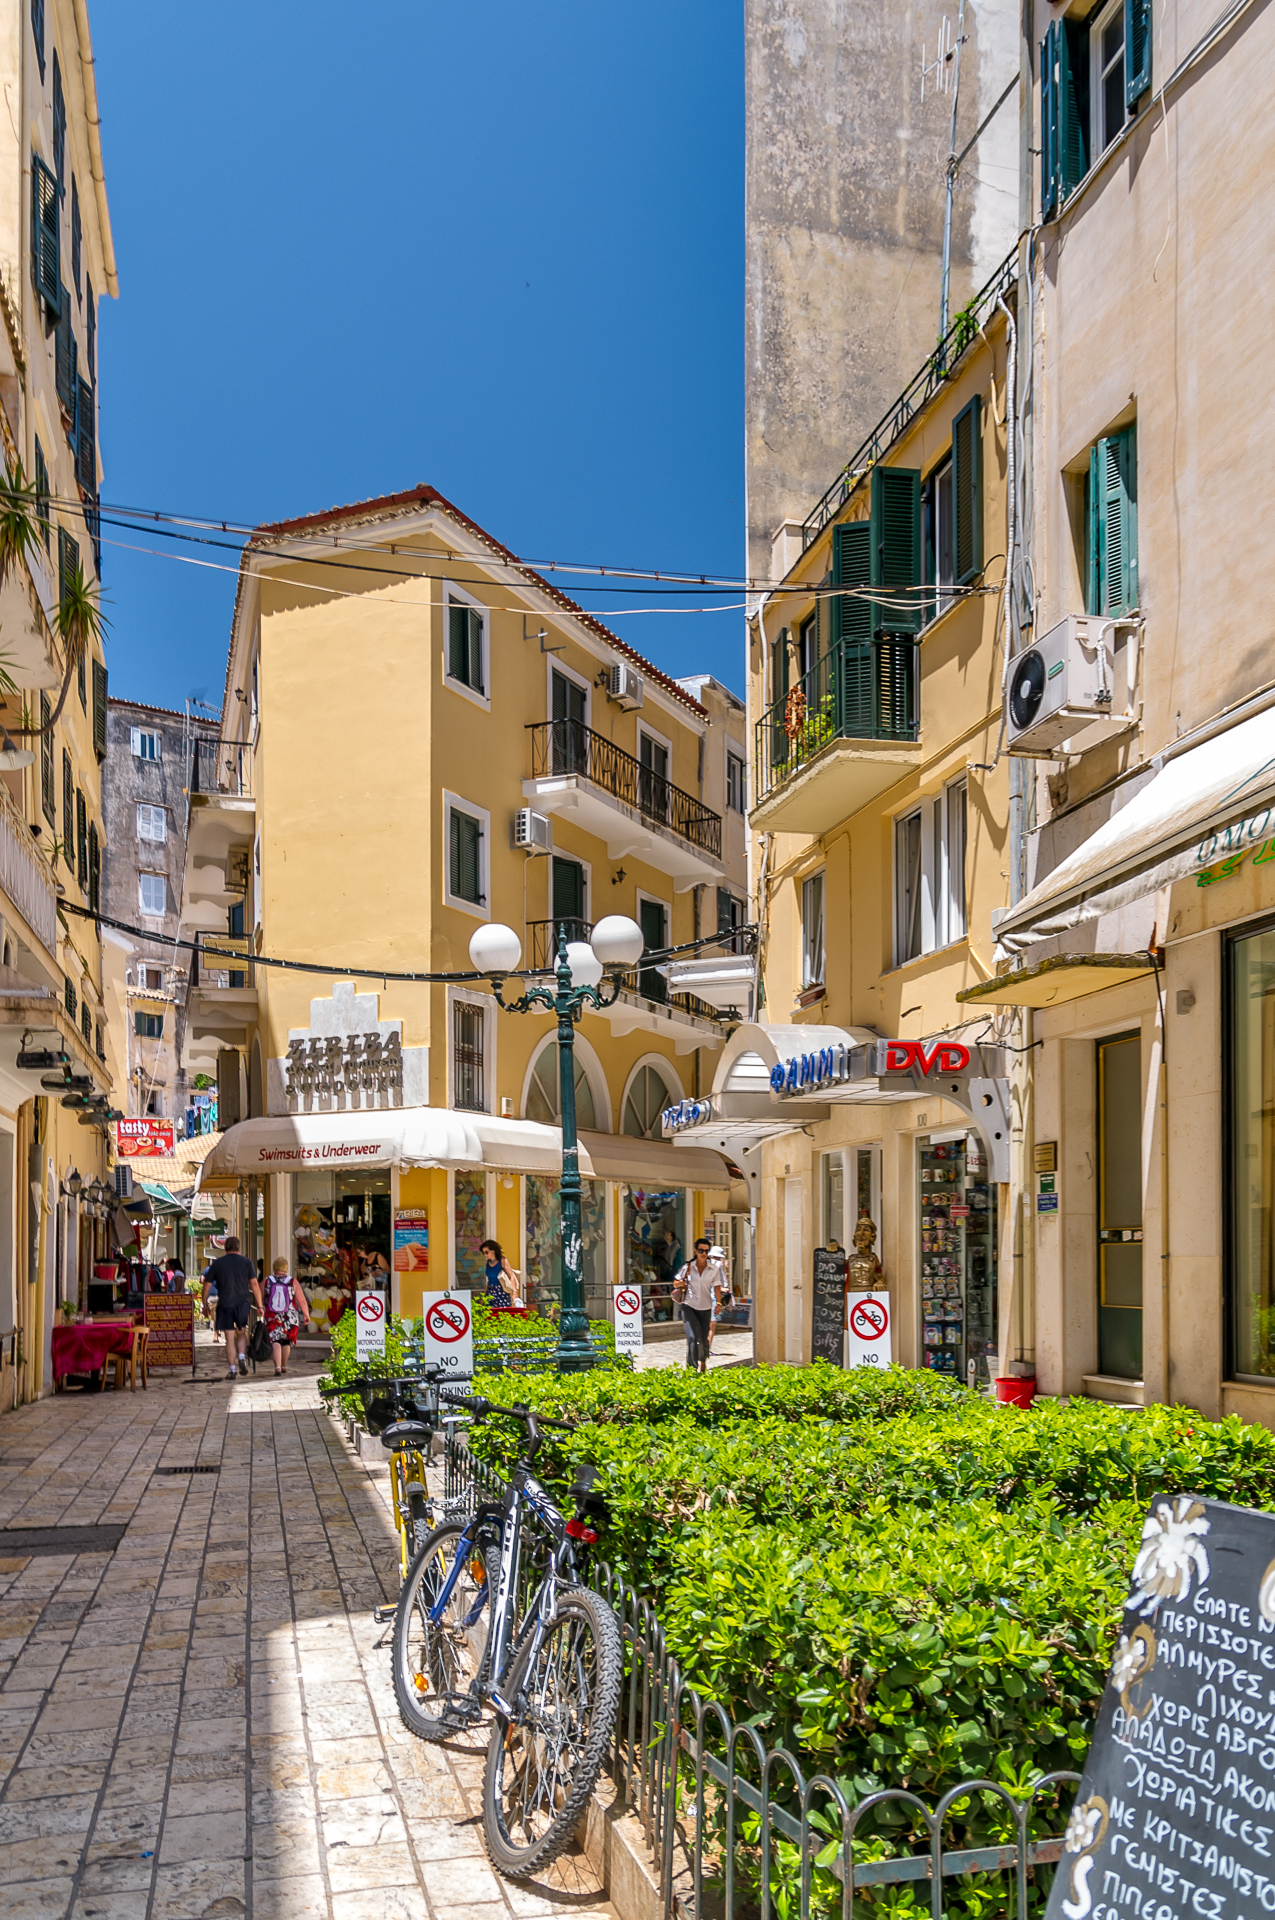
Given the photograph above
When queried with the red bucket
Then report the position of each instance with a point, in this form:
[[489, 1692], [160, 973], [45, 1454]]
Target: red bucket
[[1013, 1392]]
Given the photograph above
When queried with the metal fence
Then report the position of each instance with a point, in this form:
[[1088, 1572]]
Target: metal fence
[[569, 747], [738, 1830]]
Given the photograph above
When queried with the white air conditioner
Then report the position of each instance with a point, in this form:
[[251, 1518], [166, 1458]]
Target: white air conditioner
[[533, 832], [1076, 685], [625, 686]]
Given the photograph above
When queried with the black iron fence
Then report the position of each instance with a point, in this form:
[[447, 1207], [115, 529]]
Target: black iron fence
[[569, 747], [739, 1830], [542, 954], [859, 690], [221, 766]]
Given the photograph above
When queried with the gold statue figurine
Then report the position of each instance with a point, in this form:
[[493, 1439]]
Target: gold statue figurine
[[863, 1269]]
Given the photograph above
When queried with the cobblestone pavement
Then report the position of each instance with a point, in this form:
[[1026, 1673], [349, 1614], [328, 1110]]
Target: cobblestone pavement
[[200, 1724], [733, 1349]]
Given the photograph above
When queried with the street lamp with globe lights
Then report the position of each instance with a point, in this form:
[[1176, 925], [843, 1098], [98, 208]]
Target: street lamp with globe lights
[[617, 943]]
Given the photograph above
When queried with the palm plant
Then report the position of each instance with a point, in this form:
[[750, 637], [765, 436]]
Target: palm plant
[[78, 621]]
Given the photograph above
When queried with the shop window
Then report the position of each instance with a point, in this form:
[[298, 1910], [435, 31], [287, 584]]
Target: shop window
[[544, 1102], [152, 890], [341, 1230], [152, 823], [736, 790], [466, 856], [957, 1205], [1111, 524], [929, 874], [654, 1246], [832, 1183], [812, 947], [648, 1095], [144, 743], [469, 1220], [469, 1025], [1251, 1252], [148, 1026], [543, 1270], [466, 645]]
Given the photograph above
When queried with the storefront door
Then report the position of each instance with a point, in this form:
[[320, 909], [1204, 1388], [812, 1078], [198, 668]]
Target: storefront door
[[957, 1203], [1120, 1206]]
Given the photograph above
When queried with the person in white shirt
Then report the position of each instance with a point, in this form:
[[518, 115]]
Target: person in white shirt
[[700, 1282]]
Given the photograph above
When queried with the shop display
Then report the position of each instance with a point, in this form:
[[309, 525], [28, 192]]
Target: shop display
[[654, 1247], [958, 1258], [341, 1240], [469, 1192], [542, 1276]]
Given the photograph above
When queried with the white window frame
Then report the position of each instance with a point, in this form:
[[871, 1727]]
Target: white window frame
[[837, 1154], [554, 663], [137, 739], [656, 900], [807, 884], [465, 996], [668, 1073], [480, 910], [454, 596], [151, 913], [160, 813], [660, 740], [741, 762], [941, 881], [1100, 135], [939, 479], [951, 824]]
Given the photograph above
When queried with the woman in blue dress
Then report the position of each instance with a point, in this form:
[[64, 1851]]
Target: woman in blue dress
[[503, 1291]]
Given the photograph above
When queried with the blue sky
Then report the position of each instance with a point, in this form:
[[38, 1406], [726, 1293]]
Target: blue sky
[[494, 247]]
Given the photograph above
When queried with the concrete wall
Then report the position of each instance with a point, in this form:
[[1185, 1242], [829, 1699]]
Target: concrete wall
[[844, 221]]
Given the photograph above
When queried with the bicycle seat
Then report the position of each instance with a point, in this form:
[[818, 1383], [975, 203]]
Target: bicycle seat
[[406, 1433]]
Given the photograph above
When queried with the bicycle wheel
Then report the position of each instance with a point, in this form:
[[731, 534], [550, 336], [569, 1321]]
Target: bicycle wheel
[[436, 1660], [543, 1764]]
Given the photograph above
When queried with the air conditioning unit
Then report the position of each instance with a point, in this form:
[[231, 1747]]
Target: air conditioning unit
[[533, 832], [625, 686], [1076, 685]]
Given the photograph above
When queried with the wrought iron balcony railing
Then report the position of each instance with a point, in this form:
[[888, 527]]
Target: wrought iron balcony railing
[[569, 747], [542, 947], [221, 766], [859, 690]]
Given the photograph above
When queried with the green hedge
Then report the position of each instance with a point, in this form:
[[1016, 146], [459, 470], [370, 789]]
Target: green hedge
[[901, 1582]]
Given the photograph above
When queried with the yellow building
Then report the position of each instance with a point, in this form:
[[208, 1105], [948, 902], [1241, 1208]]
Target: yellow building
[[56, 260], [419, 735], [879, 813]]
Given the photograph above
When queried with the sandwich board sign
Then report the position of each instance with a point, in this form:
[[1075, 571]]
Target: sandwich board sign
[[449, 1334], [867, 1329], [369, 1325], [628, 1320], [828, 1309], [1175, 1811]]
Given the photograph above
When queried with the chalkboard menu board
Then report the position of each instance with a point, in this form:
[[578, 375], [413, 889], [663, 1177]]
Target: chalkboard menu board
[[828, 1319], [1175, 1813]]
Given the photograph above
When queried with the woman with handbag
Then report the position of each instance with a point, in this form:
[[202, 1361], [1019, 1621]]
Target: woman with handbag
[[699, 1283], [504, 1283]]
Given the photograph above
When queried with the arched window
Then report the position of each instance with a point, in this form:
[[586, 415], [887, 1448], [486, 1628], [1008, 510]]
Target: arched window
[[543, 1103], [648, 1095]]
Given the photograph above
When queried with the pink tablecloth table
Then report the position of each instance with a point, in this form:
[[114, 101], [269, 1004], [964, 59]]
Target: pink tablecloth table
[[85, 1350]]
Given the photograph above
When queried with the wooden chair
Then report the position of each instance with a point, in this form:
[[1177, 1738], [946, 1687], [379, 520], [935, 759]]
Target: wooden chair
[[127, 1362]]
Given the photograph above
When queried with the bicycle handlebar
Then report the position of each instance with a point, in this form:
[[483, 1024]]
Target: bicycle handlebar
[[482, 1409]]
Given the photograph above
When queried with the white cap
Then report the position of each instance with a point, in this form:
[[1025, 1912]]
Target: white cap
[[717, 1253]]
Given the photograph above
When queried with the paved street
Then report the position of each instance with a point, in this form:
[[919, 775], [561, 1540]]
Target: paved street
[[200, 1724]]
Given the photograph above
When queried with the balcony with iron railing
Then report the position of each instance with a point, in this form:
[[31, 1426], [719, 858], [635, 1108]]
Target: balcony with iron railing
[[614, 795], [221, 767], [846, 731], [643, 988]]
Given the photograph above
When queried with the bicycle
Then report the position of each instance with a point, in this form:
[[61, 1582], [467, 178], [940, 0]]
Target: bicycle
[[552, 1677], [405, 1411]]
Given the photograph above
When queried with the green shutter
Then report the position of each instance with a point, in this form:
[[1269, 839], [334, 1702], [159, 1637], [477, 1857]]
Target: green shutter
[[68, 810], [457, 646], [465, 864], [1072, 43], [1112, 515], [1137, 51], [1049, 122], [476, 650], [86, 438], [81, 840], [66, 365], [95, 872], [778, 696], [896, 549], [99, 709], [68, 561], [851, 567], [967, 492], [46, 265]]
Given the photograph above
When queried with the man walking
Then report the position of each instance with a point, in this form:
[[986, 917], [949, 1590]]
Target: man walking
[[696, 1286], [233, 1278]]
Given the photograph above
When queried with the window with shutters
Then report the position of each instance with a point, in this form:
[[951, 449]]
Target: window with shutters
[[967, 493], [736, 791], [936, 533], [86, 1022], [144, 744], [86, 438], [46, 260], [81, 839], [466, 657], [37, 33], [77, 237], [812, 938], [68, 563], [59, 123], [68, 810], [99, 709], [82, 682], [152, 893], [90, 326], [148, 1026], [732, 913], [95, 870], [1094, 75], [42, 493], [70, 998], [466, 830], [152, 823], [1111, 524], [469, 1035], [66, 364], [48, 782]]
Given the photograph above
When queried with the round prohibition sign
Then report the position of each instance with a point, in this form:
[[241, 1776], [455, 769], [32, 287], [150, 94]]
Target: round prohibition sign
[[869, 1319], [447, 1320], [371, 1307], [628, 1301]]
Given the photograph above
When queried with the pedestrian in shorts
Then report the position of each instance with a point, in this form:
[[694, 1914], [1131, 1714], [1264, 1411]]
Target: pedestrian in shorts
[[233, 1278]]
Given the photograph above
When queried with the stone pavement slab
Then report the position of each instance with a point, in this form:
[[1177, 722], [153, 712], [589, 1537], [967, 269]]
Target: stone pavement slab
[[202, 1724]]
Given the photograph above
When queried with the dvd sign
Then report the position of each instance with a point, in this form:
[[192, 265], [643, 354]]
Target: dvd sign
[[912, 1056]]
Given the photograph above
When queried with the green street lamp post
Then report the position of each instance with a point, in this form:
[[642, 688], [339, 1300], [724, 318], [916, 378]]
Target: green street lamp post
[[615, 942]]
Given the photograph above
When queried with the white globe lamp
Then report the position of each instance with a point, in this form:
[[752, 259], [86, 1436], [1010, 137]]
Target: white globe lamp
[[495, 950], [586, 968], [617, 941]]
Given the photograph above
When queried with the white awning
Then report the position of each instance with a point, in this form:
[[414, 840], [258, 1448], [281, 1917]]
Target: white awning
[[1207, 804], [403, 1137]]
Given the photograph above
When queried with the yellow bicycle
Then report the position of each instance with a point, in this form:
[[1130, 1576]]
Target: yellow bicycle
[[403, 1409]]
